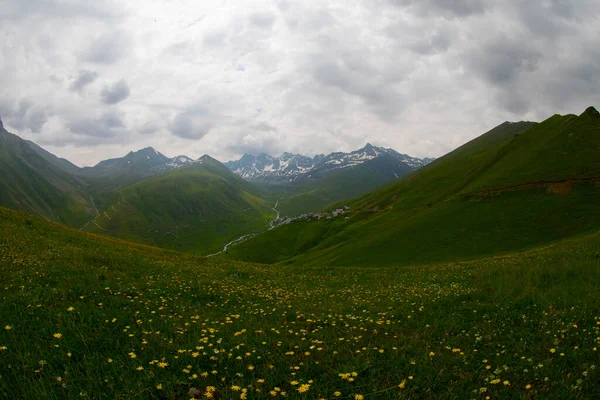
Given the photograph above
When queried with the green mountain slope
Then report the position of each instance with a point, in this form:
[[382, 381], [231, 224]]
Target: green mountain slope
[[29, 182], [509, 189], [198, 208]]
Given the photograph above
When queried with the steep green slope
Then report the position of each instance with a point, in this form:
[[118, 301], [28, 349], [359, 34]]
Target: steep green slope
[[308, 195], [31, 183], [88, 316], [510, 189], [198, 208]]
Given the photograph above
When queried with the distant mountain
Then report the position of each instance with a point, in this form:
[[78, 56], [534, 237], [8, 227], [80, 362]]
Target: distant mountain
[[291, 167], [134, 166]]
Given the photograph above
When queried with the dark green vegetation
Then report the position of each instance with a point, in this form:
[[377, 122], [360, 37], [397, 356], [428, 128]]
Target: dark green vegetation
[[518, 186], [87, 316], [197, 208]]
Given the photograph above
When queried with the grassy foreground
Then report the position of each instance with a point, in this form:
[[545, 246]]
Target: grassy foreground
[[84, 316]]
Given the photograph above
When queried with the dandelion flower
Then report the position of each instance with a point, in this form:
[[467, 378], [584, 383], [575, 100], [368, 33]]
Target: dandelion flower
[[303, 388], [57, 335]]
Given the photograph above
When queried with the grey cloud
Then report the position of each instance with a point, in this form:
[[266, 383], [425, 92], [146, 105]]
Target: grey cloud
[[306, 19], [577, 82], [323, 74], [264, 126], [214, 39], [454, 8], [262, 20], [194, 123], [107, 49], [501, 60], [84, 78], [149, 128], [15, 10], [257, 142], [115, 93], [26, 116], [548, 19], [354, 73], [436, 42], [106, 126]]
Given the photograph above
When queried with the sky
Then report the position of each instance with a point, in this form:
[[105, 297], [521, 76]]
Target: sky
[[90, 80]]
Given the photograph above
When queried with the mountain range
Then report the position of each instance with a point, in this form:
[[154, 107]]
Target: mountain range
[[508, 189], [183, 203], [290, 167]]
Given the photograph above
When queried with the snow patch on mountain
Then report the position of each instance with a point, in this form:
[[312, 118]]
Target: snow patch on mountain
[[288, 167]]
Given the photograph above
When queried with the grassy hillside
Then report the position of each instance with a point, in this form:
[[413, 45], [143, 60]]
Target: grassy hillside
[[29, 182], [510, 189], [86, 316], [198, 208]]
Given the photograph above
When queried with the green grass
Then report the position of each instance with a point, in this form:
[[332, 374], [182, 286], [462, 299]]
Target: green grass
[[87, 316]]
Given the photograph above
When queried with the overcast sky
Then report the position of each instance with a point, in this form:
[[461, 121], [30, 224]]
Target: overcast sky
[[90, 80]]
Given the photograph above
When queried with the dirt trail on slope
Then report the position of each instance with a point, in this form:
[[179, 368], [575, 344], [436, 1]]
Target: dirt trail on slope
[[559, 187]]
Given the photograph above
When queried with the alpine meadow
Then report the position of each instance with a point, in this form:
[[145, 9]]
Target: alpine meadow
[[324, 202]]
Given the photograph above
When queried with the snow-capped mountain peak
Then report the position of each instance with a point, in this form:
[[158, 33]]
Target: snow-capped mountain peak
[[289, 167], [179, 161]]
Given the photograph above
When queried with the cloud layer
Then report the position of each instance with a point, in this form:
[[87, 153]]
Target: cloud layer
[[93, 81]]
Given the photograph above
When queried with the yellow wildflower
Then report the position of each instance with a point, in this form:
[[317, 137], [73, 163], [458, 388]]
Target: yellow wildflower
[[303, 388]]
